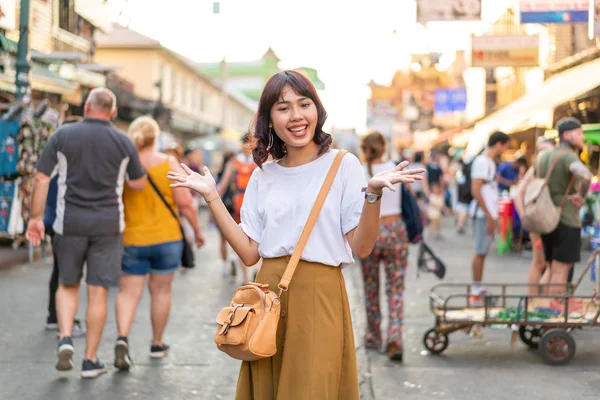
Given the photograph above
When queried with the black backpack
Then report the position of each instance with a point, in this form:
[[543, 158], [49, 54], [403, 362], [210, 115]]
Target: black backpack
[[464, 188]]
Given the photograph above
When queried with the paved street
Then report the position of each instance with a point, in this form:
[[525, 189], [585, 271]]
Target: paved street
[[469, 369]]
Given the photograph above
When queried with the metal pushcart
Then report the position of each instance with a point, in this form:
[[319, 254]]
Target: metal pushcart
[[542, 322]]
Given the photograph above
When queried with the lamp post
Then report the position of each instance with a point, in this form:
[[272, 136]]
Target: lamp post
[[23, 87]]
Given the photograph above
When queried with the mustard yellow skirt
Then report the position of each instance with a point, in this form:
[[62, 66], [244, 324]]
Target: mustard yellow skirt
[[315, 358]]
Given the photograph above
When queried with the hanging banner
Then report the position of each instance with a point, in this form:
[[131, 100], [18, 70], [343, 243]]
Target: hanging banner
[[491, 51], [554, 11], [594, 19], [448, 10]]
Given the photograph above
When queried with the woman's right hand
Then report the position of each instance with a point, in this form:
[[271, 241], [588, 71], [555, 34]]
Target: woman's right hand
[[203, 183]]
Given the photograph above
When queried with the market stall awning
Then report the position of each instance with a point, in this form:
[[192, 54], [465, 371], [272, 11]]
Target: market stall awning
[[42, 79], [536, 107]]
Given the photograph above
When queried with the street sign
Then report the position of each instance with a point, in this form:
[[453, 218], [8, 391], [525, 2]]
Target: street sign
[[448, 10], [450, 100], [491, 51], [553, 11]]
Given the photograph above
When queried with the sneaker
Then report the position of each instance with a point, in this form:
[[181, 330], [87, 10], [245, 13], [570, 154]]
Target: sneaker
[[77, 331], [65, 354], [122, 360], [91, 369], [51, 326], [394, 352], [157, 351], [477, 301]]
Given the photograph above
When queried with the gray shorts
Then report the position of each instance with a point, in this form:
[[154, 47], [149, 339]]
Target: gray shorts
[[483, 240], [102, 254]]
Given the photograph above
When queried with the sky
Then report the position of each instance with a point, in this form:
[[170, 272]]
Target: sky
[[349, 43]]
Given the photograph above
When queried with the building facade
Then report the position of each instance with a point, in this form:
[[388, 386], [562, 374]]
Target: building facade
[[198, 106]]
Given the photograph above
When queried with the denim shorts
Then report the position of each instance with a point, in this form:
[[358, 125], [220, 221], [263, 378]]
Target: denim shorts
[[163, 258]]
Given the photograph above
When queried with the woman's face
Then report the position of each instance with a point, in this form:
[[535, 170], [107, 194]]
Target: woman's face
[[294, 118]]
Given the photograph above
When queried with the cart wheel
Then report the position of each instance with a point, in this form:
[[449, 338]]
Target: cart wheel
[[435, 342], [557, 347], [531, 335]]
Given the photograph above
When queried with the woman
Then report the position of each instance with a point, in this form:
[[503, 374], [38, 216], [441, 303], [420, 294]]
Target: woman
[[319, 359], [391, 249], [153, 242]]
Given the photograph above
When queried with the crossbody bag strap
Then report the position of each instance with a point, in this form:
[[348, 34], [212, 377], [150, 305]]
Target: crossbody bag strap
[[310, 223], [165, 203]]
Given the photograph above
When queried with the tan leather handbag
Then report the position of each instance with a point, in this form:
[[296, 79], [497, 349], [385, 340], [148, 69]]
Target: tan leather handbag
[[246, 330]]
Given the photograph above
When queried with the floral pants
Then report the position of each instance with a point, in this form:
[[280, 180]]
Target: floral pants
[[391, 250]]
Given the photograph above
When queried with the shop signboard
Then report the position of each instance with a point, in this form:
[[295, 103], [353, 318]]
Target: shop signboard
[[594, 19], [491, 51], [8, 15], [450, 100], [553, 11], [448, 10]]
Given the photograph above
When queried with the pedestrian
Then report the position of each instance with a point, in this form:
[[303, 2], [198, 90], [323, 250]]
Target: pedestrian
[[153, 242], [464, 196], [537, 271], [229, 263], [420, 188], [236, 178], [484, 208], [391, 250], [568, 184], [509, 173], [49, 218], [435, 209], [94, 161], [319, 357]]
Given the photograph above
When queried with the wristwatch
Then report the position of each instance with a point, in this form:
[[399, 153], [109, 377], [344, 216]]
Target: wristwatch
[[372, 198]]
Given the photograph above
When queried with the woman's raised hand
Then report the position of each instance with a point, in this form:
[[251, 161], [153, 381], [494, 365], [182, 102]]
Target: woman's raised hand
[[203, 183], [397, 175]]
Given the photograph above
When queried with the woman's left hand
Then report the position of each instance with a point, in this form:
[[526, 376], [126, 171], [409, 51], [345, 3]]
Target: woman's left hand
[[393, 176]]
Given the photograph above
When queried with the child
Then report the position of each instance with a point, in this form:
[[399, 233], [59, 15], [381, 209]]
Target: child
[[434, 210]]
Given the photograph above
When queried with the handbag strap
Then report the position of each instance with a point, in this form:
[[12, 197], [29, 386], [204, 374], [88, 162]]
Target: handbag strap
[[165, 203], [310, 223]]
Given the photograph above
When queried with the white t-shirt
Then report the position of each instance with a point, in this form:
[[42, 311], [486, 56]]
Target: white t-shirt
[[391, 202], [279, 199], [485, 168]]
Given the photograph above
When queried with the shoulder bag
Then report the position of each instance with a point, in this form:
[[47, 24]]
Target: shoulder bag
[[247, 328], [187, 257]]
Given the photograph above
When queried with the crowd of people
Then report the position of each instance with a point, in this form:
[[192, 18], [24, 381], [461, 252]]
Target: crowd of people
[[113, 202]]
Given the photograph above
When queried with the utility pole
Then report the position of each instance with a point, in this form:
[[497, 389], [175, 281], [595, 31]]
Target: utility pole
[[23, 92]]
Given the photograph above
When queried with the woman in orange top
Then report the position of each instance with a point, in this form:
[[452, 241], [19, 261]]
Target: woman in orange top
[[153, 242]]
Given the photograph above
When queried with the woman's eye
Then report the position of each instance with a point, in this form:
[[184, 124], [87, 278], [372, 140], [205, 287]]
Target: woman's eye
[[306, 105], [282, 109]]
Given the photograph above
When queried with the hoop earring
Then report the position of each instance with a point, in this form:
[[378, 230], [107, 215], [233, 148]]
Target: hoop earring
[[270, 146]]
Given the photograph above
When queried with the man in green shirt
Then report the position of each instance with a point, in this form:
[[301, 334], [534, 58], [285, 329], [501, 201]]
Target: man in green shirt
[[570, 179]]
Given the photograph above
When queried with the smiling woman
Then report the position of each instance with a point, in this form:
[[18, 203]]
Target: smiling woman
[[315, 356]]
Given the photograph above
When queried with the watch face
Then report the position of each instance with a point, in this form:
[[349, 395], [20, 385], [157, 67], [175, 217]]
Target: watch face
[[371, 198]]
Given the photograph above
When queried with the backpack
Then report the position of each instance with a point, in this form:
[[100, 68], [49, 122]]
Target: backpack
[[540, 215], [243, 173], [464, 188], [411, 215]]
